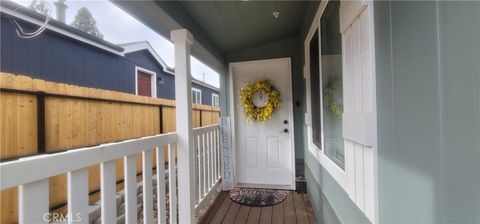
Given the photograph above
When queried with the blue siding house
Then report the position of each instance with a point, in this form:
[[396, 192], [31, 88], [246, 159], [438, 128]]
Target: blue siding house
[[66, 55]]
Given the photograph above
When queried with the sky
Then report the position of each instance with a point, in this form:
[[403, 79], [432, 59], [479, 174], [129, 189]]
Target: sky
[[119, 27]]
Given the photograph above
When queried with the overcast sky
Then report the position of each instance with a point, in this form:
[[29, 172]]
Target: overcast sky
[[119, 27]]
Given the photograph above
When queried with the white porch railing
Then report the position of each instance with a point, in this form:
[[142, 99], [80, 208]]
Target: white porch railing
[[207, 163], [32, 174]]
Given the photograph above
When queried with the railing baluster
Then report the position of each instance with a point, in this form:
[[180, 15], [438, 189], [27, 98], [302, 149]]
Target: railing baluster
[[212, 162], [197, 168], [172, 185], [215, 174], [219, 155], [207, 165], [161, 199], [33, 202], [205, 168], [130, 188], [147, 186], [108, 192], [78, 196]]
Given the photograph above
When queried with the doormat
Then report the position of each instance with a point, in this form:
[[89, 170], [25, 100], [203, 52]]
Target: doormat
[[256, 197]]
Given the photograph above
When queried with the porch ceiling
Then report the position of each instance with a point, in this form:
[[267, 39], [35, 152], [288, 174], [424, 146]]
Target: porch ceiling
[[236, 25]]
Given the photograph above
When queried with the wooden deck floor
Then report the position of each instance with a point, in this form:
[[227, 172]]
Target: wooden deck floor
[[296, 209]]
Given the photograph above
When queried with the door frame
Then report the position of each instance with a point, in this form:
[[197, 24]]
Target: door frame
[[153, 81], [232, 108]]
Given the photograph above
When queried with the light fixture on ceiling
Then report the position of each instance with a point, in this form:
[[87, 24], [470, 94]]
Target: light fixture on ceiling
[[276, 14]]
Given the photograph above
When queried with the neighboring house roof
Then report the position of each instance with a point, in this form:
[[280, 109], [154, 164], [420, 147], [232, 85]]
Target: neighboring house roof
[[204, 84], [145, 45], [19, 12]]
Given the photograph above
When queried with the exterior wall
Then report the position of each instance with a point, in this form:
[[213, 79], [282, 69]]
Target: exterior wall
[[206, 93], [145, 60], [58, 58], [428, 100], [54, 57]]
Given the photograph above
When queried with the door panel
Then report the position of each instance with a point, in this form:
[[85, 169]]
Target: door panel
[[144, 82], [264, 151]]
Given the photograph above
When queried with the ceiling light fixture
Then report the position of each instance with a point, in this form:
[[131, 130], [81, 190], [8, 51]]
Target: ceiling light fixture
[[276, 14]]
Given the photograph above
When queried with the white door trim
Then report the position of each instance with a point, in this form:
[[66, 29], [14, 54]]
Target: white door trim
[[153, 81], [232, 119]]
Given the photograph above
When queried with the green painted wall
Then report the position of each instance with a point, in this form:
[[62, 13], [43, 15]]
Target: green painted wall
[[428, 102], [332, 204]]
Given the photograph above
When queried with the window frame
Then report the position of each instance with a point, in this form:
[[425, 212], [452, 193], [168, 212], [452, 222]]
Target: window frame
[[345, 178], [153, 79], [336, 171], [215, 100], [199, 92]]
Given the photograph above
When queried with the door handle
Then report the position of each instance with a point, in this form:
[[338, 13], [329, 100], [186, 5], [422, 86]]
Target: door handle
[[285, 122], [285, 130]]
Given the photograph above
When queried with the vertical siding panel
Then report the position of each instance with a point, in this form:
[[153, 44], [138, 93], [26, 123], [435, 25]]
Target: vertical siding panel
[[365, 63], [350, 168], [357, 67], [369, 182], [359, 178]]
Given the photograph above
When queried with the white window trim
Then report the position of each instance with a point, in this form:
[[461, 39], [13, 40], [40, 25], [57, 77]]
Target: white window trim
[[199, 91], [337, 173], [153, 80], [340, 175], [217, 102]]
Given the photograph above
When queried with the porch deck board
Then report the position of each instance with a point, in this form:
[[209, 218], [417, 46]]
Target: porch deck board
[[295, 209]]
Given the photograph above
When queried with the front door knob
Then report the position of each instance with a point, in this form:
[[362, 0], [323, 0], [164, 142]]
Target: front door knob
[[285, 122], [285, 130]]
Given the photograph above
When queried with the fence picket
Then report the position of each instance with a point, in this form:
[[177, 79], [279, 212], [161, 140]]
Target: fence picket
[[130, 188], [78, 196]]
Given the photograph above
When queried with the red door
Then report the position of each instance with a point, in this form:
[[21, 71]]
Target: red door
[[144, 82]]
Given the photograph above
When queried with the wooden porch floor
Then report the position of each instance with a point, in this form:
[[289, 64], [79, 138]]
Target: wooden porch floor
[[295, 209]]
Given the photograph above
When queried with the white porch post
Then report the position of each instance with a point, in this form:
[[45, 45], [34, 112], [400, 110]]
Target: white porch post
[[182, 39]]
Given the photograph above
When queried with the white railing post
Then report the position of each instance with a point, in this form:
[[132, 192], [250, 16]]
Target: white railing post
[[182, 39]]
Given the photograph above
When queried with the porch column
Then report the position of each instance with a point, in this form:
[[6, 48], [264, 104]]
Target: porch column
[[182, 39]]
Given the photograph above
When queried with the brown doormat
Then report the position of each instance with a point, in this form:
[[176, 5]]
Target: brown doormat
[[256, 197]]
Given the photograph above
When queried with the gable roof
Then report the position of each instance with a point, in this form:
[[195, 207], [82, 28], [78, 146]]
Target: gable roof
[[145, 45], [16, 11]]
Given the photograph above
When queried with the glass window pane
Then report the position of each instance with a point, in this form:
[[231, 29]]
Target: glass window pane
[[315, 91], [331, 70]]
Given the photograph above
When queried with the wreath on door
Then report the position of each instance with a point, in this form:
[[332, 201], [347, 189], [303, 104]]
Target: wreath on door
[[259, 100]]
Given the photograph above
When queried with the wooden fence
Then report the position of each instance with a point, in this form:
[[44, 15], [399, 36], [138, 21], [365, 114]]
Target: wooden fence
[[38, 116]]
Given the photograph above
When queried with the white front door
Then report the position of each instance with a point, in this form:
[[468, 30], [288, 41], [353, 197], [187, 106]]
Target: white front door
[[264, 152]]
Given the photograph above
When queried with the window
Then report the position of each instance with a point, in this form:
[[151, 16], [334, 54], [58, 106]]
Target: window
[[215, 100], [196, 96], [332, 84], [145, 84], [315, 91]]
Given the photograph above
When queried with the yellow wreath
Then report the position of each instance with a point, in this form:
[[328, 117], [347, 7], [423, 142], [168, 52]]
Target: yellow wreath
[[253, 112]]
